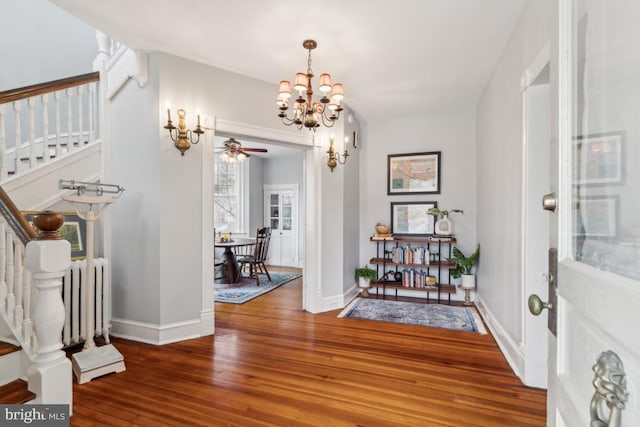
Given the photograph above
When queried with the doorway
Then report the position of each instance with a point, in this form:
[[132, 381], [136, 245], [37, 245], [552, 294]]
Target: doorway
[[281, 214]]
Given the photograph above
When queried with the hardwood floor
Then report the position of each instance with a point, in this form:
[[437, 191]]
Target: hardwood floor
[[271, 363]]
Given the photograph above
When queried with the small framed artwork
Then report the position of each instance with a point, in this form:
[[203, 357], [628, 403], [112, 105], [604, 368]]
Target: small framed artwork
[[74, 230], [596, 216], [598, 159], [412, 219], [413, 173]]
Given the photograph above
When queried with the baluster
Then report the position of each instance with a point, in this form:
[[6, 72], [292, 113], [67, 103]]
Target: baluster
[[17, 108], [3, 144], [92, 118], [18, 273], [56, 98], [69, 93], [66, 298], [45, 127], [3, 260], [11, 298], [80, 117], [31, 102], [27, 324]]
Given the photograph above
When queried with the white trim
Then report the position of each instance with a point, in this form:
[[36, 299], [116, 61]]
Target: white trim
[[339, 301], [163, 334], [262, 133], [531, 73], [510, 349], [208, 251]]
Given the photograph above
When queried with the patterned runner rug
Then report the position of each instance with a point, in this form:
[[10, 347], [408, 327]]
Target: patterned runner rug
[[246, 289], [414, 313]]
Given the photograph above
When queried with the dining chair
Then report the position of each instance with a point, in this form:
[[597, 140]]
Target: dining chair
[[256, 261]]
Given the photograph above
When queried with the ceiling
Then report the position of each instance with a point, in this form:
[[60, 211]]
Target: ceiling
[[406, 57]]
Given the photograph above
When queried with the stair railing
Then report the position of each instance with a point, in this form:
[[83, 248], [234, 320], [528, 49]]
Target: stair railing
[[34, 131], [31, 269]]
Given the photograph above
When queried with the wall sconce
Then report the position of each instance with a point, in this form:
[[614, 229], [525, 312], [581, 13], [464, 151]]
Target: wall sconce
[[181, 136], [334, 156]]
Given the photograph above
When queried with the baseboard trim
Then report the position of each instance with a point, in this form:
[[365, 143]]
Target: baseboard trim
[[508, 347], [150, 333]]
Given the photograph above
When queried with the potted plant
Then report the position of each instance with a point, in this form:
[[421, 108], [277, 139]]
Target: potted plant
[[364, 276], [464, 268], [443, 226]]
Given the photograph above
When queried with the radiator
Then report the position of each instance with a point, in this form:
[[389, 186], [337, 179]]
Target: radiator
[[74, 295]]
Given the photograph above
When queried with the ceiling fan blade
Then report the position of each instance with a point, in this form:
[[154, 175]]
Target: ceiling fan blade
[[242, 151], [255, 150]]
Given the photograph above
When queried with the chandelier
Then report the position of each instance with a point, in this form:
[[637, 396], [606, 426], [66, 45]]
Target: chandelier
[[306, 112]]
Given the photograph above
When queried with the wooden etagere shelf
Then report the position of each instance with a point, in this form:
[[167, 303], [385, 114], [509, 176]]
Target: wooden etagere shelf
[[416, 259]]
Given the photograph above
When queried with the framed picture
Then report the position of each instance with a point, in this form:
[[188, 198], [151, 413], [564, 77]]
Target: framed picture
[[598, 159], [412, 219], [413, 173], [74, 230], [596, 216]]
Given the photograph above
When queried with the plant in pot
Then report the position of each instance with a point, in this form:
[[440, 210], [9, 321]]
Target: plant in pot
[[364, 276], [464, 268], [443, 226]]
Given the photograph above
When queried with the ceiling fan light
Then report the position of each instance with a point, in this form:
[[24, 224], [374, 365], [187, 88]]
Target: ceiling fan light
[[300, 82], [337, 92], [325, 83], [242, 156], [284, 91]]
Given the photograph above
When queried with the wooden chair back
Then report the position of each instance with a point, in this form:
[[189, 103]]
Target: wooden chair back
[[263, 235]]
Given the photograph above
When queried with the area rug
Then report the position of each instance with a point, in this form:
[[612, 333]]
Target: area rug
[[246, 289], [413, 313]]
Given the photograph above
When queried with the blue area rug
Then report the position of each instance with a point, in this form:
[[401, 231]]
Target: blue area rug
[[246, 289], [413, 313]]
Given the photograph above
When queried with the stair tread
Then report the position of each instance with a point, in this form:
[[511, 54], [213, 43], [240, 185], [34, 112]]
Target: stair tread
[[15, 392], [7, 348]]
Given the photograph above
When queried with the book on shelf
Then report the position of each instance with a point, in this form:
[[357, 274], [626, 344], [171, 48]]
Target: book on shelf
[[382, 236]]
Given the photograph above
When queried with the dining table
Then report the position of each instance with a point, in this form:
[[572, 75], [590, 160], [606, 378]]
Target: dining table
[[231, 268]]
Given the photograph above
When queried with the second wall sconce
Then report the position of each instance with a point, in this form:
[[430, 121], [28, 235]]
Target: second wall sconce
[[335, 156], [181, 136]]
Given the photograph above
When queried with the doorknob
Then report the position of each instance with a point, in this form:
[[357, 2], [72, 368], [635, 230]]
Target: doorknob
[[536, 305], [550, 202]]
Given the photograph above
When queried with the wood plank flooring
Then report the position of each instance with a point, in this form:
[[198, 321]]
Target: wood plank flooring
[[270, 363]]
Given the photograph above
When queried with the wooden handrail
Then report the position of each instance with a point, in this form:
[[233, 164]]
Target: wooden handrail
[[48, 87], [15, 219]]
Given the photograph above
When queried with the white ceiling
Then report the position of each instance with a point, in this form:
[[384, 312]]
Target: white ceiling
[[394, 57]]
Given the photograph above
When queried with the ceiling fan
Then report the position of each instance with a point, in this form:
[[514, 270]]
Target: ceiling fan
[[233, 150]]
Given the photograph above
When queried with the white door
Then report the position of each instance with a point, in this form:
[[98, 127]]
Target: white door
[[598, 224], [281, 214]]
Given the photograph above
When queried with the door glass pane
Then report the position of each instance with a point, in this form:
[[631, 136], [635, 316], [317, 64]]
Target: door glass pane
[[286, 224], [274, 224], [274, 211], [606, 135], [286, 211], [287, 198], [274, 199]]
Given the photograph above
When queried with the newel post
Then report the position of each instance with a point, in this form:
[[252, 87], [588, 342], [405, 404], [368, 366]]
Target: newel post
[[47, 258]]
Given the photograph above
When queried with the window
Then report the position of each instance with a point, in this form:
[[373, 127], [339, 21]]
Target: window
[[228, 197]]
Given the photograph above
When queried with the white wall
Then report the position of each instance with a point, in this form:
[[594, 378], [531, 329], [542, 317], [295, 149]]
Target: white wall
[[499, 177], [454, 136], [161, 286], [40, 42]]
